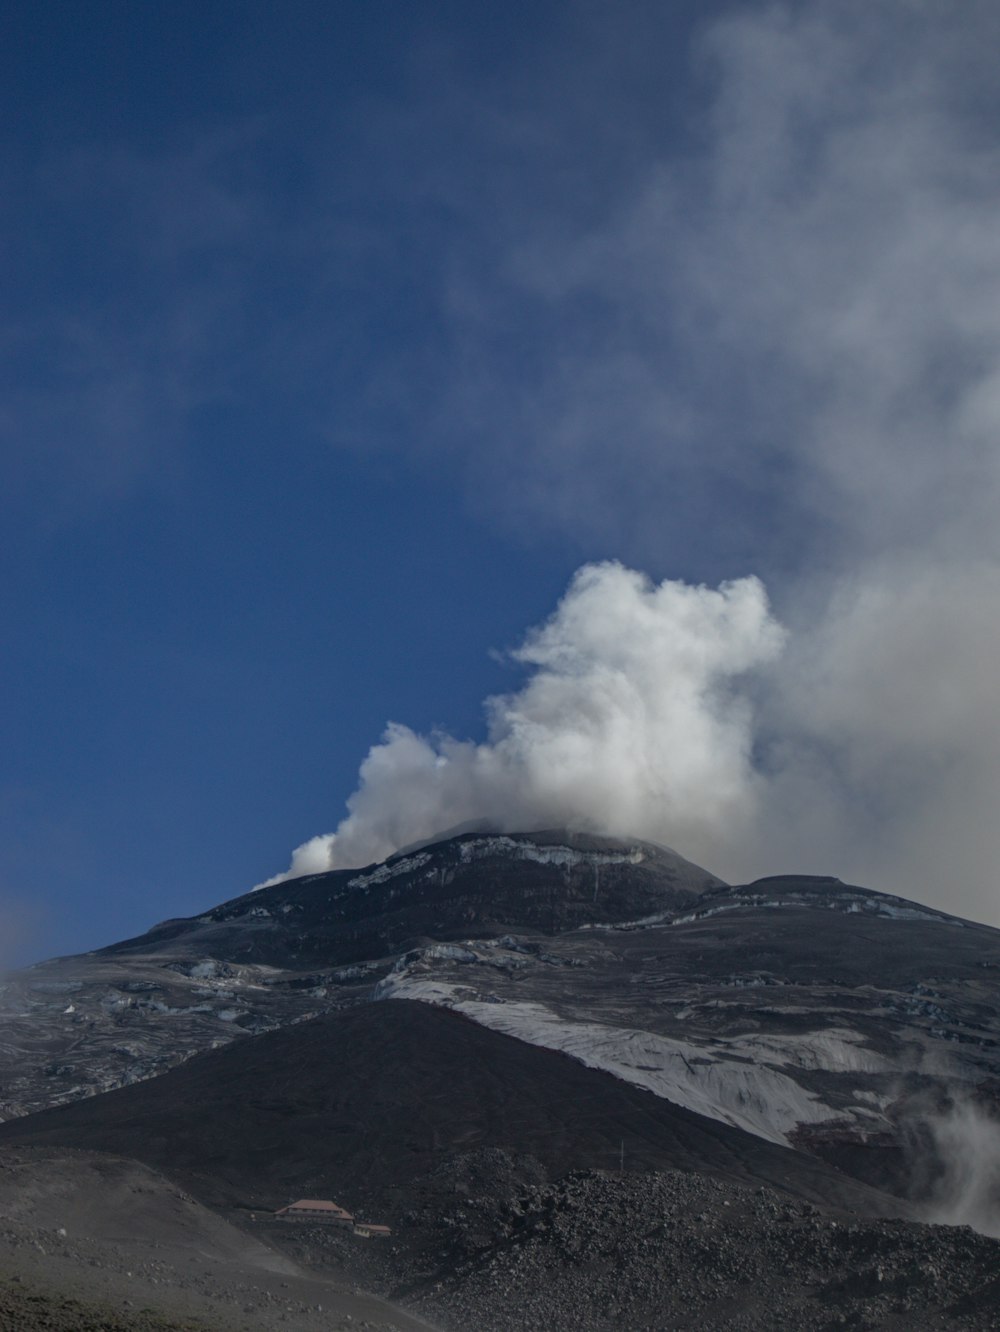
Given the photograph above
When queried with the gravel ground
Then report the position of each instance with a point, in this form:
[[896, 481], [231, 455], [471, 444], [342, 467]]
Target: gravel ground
[[32, 1308], [597, 1253], [487, 1243], [140, 1286], [494, 1248]]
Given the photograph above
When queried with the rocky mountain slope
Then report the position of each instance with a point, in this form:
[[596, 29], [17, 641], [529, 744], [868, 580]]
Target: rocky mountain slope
[[807, 1012], [79, 1025], [679, 1251], [566, 1022], [480, 1151]]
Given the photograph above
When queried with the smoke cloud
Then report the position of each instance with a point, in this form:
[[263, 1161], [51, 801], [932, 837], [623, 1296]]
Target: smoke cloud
[[636, 718], [783, 334], [965, 1146]]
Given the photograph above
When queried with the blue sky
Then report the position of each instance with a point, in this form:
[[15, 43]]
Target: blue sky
[[227, 560], [338, 336]]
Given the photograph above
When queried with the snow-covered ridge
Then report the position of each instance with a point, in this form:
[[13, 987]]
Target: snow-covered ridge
[[487, 848], [642, 923], [392, 869], [850, 905], [510, 848]]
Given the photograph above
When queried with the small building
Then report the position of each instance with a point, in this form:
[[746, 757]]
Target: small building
[[365, 1230], [316, 1210]]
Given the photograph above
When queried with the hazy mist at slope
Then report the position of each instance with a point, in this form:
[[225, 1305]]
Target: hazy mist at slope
[[967, 1144]]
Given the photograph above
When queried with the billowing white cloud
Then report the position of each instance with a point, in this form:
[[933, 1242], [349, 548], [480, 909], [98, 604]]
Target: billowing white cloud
[[636, 718]]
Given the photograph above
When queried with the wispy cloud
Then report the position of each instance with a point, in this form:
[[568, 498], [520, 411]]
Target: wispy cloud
[[962, 1143], [123, 312], [795, 301], [19, 926]]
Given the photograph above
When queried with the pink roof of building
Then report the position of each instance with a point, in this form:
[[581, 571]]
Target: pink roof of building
[[315, 1205]]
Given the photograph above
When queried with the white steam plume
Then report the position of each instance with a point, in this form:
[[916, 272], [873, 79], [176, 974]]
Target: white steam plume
[[636, 719]]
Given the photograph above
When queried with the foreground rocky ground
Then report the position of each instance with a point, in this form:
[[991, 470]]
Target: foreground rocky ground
[[37, 1308], [491, 1251], [31, 1308], [487, 1243]]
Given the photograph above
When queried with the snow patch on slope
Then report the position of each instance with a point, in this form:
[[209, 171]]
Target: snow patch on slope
[[721, 1080], [888, 909], [642, 923], [486, 848], [390, 870]]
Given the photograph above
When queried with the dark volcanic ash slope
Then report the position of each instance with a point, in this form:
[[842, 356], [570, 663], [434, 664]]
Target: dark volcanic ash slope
[[487, 1240], [366, 1102], [471, 1144], [805, 1010], [476, 884]]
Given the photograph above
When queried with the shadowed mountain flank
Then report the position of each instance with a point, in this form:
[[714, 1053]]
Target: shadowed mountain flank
[[370, 1100]]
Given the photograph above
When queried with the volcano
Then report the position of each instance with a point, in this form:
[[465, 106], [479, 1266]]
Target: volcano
[[527, 1009]]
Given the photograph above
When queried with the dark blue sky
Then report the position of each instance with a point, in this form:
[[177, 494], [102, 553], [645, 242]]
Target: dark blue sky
[[234, 541], [336, 336]]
